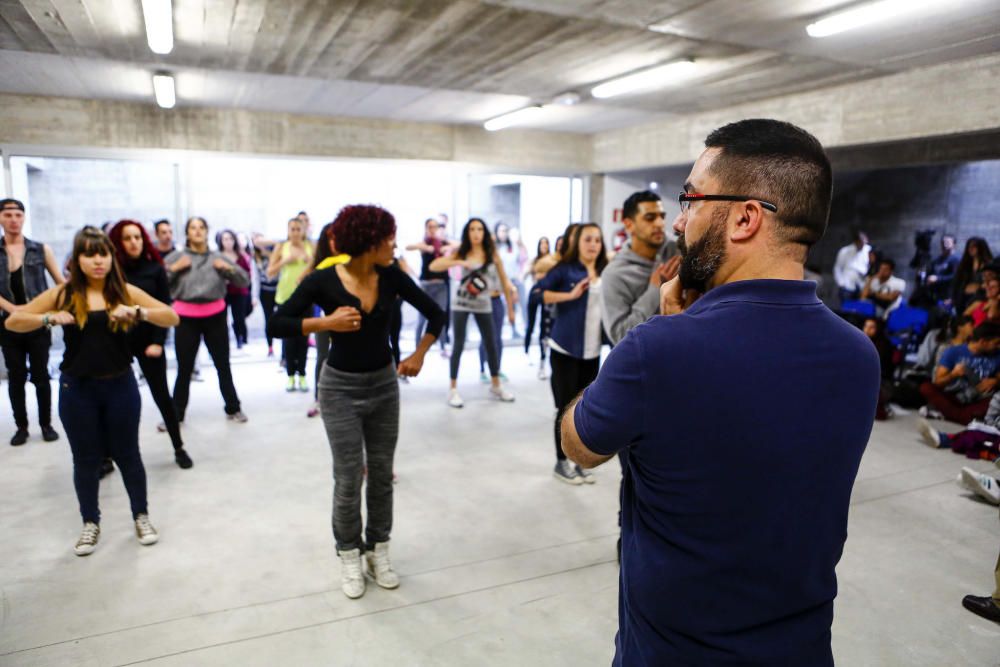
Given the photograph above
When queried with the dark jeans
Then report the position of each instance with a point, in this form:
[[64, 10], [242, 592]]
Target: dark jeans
[[460, 320], [20, 351], [499, 310], [441, 293], [154, 369], [187, 340], [536, 304], [361, 416], [267, 307], [952, 410], [238, 305], [101, 418], [295, 349], [569, 377], [395, 327]]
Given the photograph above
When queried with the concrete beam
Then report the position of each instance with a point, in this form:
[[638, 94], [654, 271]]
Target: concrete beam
[[104, 124], [954, 98]]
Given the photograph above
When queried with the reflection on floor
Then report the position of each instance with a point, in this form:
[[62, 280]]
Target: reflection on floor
[[501, 564]]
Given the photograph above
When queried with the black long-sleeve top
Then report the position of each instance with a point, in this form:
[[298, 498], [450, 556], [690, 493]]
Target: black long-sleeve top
[[366, 349], [151, 278]]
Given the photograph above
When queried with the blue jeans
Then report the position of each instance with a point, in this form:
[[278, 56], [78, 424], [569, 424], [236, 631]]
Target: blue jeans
[[101, 418]]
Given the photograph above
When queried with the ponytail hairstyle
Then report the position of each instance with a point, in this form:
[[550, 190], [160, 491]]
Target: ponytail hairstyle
[[91, 241]]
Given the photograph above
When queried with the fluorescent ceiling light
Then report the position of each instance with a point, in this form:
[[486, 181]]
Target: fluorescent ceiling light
[[513, 118], [159, 18], [650, 78], [862, 15], [163, 88]]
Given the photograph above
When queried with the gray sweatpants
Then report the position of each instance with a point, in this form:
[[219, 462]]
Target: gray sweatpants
[[361, 415]]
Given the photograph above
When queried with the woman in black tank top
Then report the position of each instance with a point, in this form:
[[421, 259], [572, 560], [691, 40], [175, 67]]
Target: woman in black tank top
[[98, 398]]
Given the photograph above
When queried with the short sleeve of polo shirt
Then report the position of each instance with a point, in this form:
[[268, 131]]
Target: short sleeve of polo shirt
[[608, 416], [952, 356]]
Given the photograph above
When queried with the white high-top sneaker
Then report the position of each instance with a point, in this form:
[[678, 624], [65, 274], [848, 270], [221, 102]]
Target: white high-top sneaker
[[352, 579], [379, 566]]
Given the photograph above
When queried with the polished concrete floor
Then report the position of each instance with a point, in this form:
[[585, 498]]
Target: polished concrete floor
[[500, 563]]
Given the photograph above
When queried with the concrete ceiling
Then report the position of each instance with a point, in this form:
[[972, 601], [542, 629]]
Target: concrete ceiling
[[464, 61]]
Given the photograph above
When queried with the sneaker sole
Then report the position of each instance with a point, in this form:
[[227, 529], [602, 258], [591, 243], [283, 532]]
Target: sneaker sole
[[146, 542], [929, 434], [86, 552], [352, 597], [576, 481], [970, 481], [589, 480]]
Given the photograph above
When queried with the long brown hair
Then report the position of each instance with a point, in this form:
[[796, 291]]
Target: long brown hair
[[91, 241], [573, 255]]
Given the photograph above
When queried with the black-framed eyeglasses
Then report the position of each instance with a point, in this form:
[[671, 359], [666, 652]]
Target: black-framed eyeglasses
[[685, 199]]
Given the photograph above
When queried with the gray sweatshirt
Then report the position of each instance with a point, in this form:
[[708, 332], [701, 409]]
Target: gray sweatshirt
[[202, 283], [628, 298]]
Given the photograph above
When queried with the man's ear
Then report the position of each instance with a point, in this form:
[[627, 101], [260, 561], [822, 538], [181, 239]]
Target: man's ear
[[747, 220]]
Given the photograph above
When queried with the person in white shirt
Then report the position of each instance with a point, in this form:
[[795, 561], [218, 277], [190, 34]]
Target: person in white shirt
[[884, 289], [851, 266]]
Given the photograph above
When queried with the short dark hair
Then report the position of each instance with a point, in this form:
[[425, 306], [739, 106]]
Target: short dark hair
[[9, 202], [985, 331], [780, 163], [888, 260], [156, 225], [359, 228], [631, 205]]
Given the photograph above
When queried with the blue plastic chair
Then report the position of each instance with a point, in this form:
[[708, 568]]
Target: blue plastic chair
[[905, 326]]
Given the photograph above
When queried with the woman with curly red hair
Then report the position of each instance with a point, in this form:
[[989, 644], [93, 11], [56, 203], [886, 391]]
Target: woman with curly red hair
[[358, 390], [142, 266]]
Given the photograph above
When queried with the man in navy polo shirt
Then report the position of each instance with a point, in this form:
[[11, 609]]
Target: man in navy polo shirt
[[745, 412]]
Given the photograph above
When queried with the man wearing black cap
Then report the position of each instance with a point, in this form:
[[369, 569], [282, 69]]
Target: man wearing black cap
[[23, 263]]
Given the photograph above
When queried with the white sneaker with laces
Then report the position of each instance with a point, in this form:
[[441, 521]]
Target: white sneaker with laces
[[501, 394], [144, 531], [379, 566], [982, 485], [238, 417], [454, 400], [88, 539], [929, 434], [566, 472], [352, 579], [586, 475]]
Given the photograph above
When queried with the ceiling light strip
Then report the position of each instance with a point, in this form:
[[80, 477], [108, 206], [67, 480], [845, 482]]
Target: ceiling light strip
[[663, 75], [518, 117], [863, 15], [159, 18], [163, 88]]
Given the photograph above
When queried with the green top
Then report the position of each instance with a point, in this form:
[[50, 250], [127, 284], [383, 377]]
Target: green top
[[290, 274]]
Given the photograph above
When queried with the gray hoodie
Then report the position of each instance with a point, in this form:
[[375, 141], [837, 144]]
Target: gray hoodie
[[202, 283], [627, 297]]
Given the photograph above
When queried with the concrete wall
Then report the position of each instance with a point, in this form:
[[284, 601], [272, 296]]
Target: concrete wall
[[957, 97], [91, 123], [891, 205]]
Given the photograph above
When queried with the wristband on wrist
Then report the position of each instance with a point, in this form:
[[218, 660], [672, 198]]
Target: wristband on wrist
[[46, 321]]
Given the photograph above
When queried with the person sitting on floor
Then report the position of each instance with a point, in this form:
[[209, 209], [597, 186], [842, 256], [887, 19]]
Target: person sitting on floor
[[988, 308], [884, 289], [979, 440], [874, 328], [966, 377]]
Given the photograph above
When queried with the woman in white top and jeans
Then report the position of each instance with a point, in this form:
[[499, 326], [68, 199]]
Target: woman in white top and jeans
[[481, 268], [575, 341]]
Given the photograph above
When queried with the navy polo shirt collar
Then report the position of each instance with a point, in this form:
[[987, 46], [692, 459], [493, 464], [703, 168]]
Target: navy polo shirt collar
[[783, 292]]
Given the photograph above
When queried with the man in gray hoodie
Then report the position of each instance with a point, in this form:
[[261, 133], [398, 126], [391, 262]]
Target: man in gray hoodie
[[630, 285]]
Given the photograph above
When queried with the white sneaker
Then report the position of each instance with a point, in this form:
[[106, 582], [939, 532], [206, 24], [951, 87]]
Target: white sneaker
[[238, 417], [929, 412], [542, 373], [566, 472], [352, 579], [379, 566], [144, 531], [929, 434], [501, 394], [586, 475], [454, 400], [88, 539], [982, 485]]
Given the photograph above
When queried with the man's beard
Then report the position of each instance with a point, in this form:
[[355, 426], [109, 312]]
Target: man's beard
[[701, 261]]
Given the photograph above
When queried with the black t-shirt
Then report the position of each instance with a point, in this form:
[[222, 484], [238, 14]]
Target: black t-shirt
[[368, 348], [425, 267], [151, 278], [17, 286], [95, 351]]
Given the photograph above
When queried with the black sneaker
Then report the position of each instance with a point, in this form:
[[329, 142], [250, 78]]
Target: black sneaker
[[49, 434], [107, 467], [182, 458], [19, 438]]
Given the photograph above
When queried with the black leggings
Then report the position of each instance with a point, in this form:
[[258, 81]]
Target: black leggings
[[187, 340], [267, 306], [569, 377], [395, 327], [460, 320], [295, 349], [154, 369], [535, 303], [238, 304], [21, 351]]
